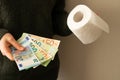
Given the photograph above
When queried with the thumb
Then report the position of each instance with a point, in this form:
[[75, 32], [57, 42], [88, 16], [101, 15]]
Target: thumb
[[14, 43]]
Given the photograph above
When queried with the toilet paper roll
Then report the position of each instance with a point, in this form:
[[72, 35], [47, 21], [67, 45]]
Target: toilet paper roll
[[85, 24]]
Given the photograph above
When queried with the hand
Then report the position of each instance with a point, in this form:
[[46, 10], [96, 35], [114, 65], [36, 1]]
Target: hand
[[6, 41]]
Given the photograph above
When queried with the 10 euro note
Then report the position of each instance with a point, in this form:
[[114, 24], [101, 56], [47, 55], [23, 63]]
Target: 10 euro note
[[25, 59]]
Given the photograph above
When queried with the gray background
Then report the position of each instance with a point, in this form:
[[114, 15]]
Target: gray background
[[96, 61]]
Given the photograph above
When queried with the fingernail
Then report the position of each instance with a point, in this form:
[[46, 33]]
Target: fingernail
[[22, 48]]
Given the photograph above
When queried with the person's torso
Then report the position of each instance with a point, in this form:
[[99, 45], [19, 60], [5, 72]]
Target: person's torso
[[31, 16]]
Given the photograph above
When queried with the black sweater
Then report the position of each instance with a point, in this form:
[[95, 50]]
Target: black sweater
[[40, 17], [45, 18]]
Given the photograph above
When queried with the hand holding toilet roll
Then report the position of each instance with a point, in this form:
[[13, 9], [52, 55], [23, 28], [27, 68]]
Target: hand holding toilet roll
[[85, 24]]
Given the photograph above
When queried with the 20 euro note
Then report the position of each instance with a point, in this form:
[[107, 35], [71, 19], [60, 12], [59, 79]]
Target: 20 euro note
[[50, 50], [25, 59], [41, 54]]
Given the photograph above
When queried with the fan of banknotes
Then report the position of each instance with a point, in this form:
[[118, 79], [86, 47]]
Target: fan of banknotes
[[38, 51]]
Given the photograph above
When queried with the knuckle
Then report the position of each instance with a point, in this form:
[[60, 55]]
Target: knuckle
[[10, 39]]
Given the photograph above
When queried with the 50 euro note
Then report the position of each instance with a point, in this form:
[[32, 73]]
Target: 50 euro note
[[51, 42]]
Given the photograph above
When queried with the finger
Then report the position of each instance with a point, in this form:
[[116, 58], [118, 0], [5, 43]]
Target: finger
[[7, 52], [15, 44], [9, 56]]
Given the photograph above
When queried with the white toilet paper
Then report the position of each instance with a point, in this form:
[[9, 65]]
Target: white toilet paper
[[85, 24]]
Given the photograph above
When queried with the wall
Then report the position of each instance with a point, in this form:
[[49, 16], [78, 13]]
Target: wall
[[99, 60]]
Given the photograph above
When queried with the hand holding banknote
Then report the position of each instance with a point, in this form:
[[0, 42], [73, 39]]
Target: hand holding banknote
[[6, 41], [38, 51]]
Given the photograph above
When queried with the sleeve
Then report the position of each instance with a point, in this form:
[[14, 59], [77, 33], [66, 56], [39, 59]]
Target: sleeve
[[59, 17], [2, 16], [2, 32]]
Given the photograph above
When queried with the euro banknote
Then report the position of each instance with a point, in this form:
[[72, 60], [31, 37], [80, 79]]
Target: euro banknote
[[25, 59], [39, 51], [49, 45]]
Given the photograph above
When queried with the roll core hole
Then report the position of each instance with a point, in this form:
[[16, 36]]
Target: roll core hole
[[78, 17]]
